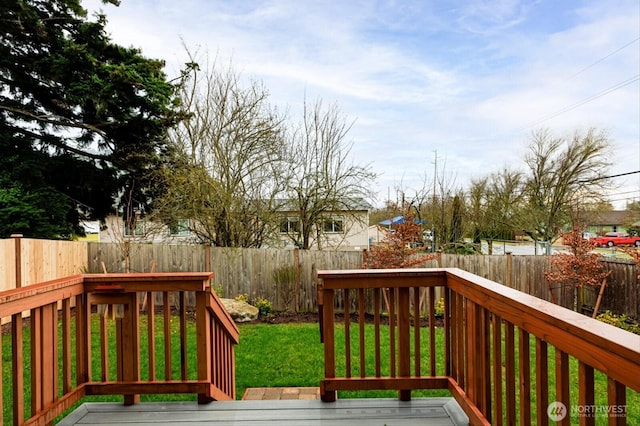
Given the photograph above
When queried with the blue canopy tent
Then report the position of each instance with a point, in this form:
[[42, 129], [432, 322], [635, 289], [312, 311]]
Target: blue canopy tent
[[400, 219]]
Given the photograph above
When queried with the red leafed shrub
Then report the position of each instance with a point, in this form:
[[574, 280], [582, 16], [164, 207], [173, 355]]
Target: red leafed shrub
[[578, 268], [400, 248]]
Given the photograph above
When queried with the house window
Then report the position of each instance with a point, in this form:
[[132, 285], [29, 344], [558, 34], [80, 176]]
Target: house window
[[333, 225], [179, 227], [290, 225], [137, 229]]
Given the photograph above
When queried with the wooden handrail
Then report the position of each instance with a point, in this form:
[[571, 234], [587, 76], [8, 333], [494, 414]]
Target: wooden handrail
[[489, 364], [109, 304]]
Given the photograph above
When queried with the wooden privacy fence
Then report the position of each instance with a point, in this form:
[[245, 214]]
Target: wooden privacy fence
[[250, 271]]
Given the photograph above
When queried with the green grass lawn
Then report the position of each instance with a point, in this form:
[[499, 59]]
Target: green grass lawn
[[274, 355]]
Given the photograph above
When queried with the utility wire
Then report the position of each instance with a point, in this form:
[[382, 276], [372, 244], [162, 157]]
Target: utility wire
[[606, 177], [603, 58], [584, 101]]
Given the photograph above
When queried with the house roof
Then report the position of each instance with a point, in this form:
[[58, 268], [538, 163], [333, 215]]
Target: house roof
[[611, 217], [347, 204]]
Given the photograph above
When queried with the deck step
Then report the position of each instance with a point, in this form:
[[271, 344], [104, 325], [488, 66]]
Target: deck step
[[256, 394]]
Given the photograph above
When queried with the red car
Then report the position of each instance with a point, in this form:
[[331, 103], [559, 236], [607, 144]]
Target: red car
[[611, 239]]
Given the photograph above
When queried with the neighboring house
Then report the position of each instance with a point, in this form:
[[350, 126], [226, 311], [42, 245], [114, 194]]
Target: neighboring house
[[377, 234], [613, 220], [341, 230], [345, 229], [145, 231]]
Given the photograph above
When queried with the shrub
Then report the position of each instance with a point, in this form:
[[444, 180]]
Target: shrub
[[218, 289], [620, 321], [439, 308], [242, 298], [264, 306], [284, 278]]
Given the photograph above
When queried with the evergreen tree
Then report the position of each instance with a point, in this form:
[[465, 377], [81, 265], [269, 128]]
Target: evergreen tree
[[82, 120]]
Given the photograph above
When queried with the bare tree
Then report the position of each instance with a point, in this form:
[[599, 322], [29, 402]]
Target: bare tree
[[323, 180], [563, 174], [231, 165], [492, 204]]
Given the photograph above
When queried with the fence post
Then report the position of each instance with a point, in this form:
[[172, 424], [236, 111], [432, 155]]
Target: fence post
[[296, 264], [207, 258], [509, 280], [18, 258], [16, 341]]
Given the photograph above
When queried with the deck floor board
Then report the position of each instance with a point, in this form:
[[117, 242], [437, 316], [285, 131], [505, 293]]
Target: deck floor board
[[351, 412]]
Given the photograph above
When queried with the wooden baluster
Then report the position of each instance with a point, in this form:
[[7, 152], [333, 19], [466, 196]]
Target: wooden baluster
[[498, 416], [416, 331], [376, 328], [66, 346], [460, 345], [562, 384], [104, 347], [347, 333], [151, 335], [485, 344], [510, 373], [392, 332], [16, 362], [472, 355], [361, 316], [542, 382], [36, 359], [166, 312], [183, 335], [216, 353], [448, 330], [432, 331], [525, 378], [617, 398], [83, 339], [586, 394]]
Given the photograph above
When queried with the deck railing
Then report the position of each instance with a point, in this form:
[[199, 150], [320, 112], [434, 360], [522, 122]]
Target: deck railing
[[505, 356], [53, 366]]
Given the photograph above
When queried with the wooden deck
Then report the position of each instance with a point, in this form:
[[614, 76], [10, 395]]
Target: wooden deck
[[351, 412]]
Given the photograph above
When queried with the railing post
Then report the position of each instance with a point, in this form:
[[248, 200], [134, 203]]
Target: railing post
[[129, 342], [404, 352], [328, 318], [203, 337]]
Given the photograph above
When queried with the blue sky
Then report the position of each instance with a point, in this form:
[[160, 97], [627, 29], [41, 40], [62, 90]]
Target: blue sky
[[466, 81]]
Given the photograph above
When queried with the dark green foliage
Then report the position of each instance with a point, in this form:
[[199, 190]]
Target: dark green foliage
[[82, 120]]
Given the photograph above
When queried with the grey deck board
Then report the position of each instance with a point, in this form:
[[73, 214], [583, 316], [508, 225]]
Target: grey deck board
[[351, 412]]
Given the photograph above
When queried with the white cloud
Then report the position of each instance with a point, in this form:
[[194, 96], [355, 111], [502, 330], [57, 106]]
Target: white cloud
[[468, 79]]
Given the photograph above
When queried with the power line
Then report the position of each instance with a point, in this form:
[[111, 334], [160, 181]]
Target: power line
[[606, 177], [603, 58], [584, 101]]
